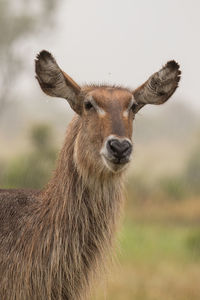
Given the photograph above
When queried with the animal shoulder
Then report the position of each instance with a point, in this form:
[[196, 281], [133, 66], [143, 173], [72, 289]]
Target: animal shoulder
[[13, 204]]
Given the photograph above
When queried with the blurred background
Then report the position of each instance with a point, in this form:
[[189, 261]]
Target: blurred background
[[120, 42]]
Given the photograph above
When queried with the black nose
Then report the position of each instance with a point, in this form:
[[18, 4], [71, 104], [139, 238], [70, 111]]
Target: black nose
[[119, 148]]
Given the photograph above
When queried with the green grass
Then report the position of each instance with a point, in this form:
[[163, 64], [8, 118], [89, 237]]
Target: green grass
[[156, 262], [154, 242]]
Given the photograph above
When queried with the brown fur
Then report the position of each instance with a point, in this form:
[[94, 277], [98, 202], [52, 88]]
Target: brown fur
[[53, 241], [57, 236]]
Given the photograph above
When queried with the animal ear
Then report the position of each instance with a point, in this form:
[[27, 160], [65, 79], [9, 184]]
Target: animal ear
[[54, 82], [159, 87]]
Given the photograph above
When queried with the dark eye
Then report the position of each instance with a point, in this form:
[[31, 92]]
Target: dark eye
[[134, 106], [88, 105]]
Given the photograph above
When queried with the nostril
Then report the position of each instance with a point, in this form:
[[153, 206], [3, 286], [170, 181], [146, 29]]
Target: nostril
[[119, 148], [114, 145], [125, 146]]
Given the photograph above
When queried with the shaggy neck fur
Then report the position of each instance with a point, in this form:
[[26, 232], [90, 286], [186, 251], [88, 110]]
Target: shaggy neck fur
[[87, 209], [73, 219]]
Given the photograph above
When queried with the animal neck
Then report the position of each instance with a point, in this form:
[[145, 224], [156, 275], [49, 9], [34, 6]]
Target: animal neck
[[84, 215]]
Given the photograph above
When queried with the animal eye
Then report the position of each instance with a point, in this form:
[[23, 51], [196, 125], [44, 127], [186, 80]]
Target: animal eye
[[134, 106], [88, 105]]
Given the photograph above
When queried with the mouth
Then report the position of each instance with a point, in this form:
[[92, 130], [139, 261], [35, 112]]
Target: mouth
[[116, 164]]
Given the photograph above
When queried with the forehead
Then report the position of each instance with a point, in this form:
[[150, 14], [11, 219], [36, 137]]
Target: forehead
[[106, 95]]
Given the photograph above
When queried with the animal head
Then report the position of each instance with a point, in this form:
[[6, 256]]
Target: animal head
[[104, 140]]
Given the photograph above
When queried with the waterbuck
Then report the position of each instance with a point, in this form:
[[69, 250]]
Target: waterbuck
[[53, 241]]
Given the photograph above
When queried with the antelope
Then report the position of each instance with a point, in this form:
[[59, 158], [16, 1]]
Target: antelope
[[54, 241]]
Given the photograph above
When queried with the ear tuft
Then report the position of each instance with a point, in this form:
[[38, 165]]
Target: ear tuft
[[46, 70], [54, 82], [45, 61], [160, 86], [45, 56], [173, 65], [168, 77]]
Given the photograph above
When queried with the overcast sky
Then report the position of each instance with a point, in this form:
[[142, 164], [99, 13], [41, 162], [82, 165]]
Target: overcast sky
[[125, 41]]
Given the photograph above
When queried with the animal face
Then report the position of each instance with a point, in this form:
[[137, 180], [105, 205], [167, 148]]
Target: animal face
[[106, 112], [107, 117]]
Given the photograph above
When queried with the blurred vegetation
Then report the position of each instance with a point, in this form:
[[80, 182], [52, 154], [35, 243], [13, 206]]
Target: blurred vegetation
[[170, 187], [157, 262], [192, 173], [31, 169], [19, 19], [193, 244]]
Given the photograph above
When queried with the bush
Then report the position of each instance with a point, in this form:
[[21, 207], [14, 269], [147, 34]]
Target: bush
[[193, 244], [173, 187], [32, 169], [192, 172], [138, 189]]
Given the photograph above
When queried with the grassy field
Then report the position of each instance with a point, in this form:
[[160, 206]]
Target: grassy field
[[157, 261]]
